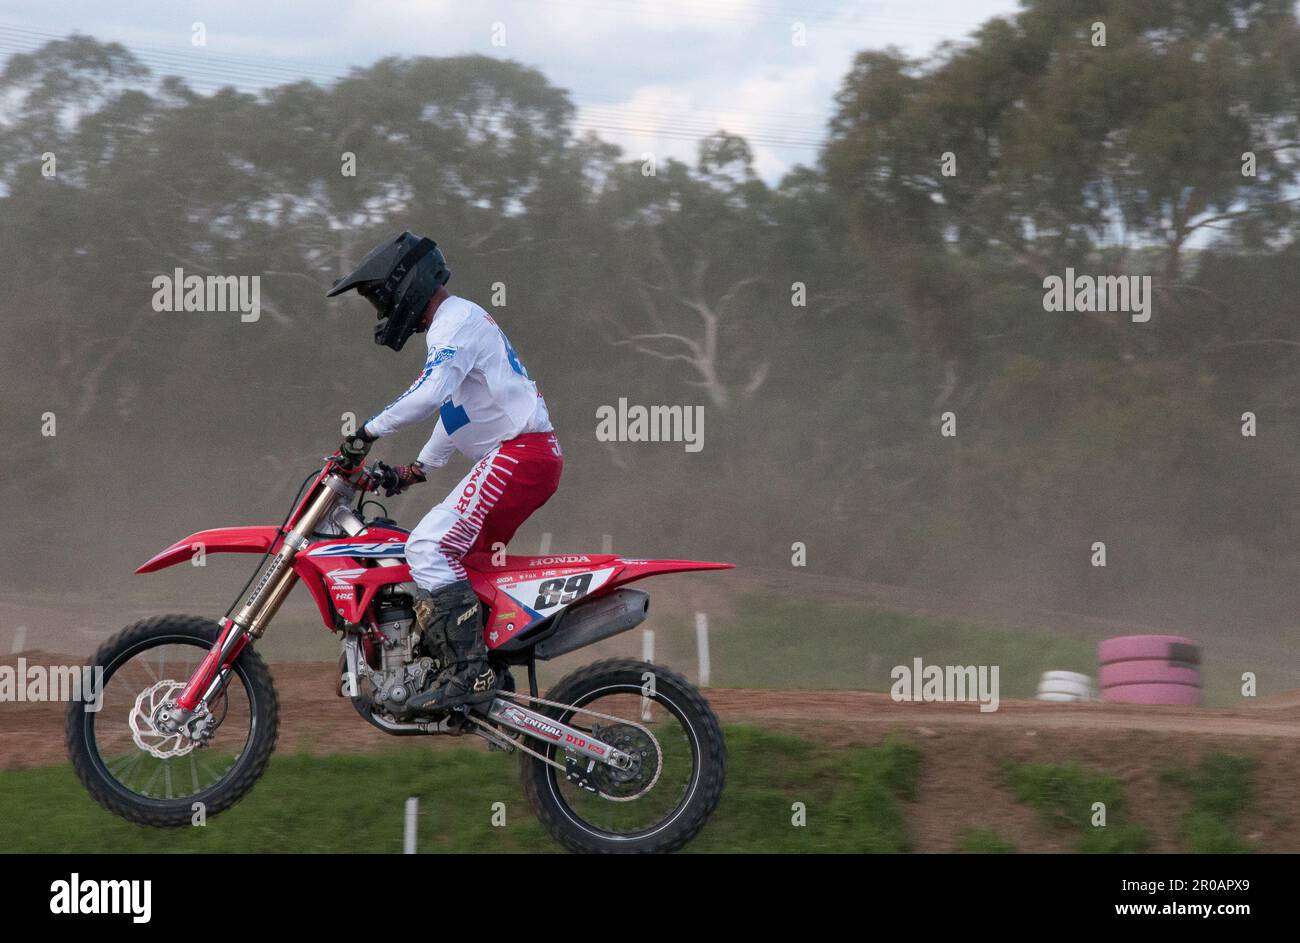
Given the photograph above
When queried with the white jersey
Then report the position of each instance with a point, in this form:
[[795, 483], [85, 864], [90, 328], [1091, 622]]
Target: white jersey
[[473, 382]]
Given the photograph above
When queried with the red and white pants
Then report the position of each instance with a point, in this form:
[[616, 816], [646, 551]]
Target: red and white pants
[[503, 488]]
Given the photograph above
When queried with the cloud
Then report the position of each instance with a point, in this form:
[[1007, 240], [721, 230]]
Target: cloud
[[779, 107], [649, 75]]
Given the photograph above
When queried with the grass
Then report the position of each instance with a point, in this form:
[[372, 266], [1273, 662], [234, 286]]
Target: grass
[[849, 799], [985, 841], [808, 644], [1064, 797], [1221, 789], [853, 800]]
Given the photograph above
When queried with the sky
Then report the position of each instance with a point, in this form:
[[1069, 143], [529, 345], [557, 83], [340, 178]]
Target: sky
[[648, 75]]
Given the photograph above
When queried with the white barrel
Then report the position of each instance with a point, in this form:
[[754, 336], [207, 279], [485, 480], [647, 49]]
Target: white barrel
[[1065, 686]]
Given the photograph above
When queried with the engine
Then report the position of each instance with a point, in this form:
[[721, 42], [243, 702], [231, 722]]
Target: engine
[[405, 668]]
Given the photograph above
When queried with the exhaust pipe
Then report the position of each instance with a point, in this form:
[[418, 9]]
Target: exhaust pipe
[[592, 621]]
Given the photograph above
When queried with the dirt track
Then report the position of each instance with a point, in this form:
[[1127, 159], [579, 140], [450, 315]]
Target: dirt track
[[961, 785]]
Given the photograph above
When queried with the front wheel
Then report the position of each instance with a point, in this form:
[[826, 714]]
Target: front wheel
[[147, 775], [665, 800]]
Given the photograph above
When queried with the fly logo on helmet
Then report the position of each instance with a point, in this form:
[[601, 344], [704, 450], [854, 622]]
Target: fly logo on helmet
[[399, 278]]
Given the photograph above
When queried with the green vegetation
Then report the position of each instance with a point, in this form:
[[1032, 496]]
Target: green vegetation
[[1221, 790], [784, 794], [985, 841], [854, 799], [850, 797], [856, 647], [1063, 796]]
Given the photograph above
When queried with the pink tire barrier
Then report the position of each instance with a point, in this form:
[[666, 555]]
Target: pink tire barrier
[[1164, 647], [1152, 694], [1148, 671]]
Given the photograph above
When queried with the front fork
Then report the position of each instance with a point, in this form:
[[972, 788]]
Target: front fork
[[279, 577]]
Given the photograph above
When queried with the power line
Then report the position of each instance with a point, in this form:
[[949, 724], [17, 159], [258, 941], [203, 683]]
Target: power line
[[852, 20], [213, 72], [682, 129], [210, 68]]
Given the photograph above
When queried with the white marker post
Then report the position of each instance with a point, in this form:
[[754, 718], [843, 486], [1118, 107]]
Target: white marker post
[[606, 543], [412, 817], [647, 655], [545, 547], [702, 646], [20, 639]]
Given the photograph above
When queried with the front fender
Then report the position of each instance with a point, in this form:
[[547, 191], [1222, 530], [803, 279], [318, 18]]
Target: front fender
[[219, 540]]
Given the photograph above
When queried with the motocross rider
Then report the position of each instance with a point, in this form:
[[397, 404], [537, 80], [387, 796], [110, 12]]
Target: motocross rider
[[490, 411]]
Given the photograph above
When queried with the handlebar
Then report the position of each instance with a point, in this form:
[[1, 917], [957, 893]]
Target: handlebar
[[362, 477]]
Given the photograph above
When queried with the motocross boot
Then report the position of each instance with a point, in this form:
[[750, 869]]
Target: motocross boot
[[452, 627]]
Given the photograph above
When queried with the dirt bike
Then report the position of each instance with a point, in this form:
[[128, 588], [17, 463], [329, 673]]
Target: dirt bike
[[620, 756]]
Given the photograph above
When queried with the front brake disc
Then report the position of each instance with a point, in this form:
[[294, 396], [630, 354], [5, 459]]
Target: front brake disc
[[151, 705]]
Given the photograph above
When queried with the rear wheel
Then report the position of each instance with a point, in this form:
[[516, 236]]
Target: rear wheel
[[145, 774], [665, 798]]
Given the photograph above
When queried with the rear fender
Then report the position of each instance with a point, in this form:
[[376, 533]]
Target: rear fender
[[639, 569], [257, 539], [517, 622]]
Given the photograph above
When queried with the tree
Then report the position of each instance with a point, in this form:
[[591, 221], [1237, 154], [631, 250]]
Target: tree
[[692, 245], [1063, 146]]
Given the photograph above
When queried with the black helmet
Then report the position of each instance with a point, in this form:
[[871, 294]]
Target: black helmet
[[399, 278]]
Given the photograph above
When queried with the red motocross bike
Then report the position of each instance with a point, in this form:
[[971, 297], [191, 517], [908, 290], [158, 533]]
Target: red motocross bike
[[620, 756]]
